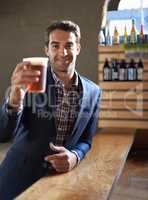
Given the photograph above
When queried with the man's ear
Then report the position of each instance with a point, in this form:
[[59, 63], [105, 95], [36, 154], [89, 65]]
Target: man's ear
[[78, 48], [46, 50]]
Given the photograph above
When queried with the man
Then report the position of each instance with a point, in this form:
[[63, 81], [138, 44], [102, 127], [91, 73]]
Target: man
[[53, 135]]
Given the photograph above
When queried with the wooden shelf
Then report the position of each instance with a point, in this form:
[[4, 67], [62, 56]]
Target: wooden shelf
[[128, 86], [110, 49], [124, 103], [145, 77], [114, 104], [122, 95], [130, 114]]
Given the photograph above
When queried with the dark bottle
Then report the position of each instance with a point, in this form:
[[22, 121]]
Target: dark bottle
[[123, 71], [131, 71], [142, 34], [140, 68], [106, 71], [115, 73]]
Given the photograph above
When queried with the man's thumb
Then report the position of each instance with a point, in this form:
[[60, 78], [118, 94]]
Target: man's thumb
[[56, 148]]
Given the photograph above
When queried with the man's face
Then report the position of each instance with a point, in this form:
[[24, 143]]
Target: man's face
[[62, 51]]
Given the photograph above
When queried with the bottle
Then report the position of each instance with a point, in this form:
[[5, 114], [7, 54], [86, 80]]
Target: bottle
[[108, 36], [140, 68], [101, 38], [133, 34], [114, 73], [131, 71], [141, 36], [106, 71], [116, 36], [123, 71], [108, 39], [125, 36]]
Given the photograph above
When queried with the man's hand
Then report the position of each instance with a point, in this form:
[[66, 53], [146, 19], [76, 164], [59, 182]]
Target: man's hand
[[22, 76], [62, 161]]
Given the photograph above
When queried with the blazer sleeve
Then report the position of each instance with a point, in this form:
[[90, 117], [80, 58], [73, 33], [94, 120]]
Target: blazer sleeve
[[84, 143], [8, 124]]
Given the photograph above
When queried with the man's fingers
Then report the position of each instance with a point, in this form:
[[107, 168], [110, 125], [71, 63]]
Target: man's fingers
[[57, 148], [26, 77], [26, 73], [25, 81], [57, 156], [60, 166], [22, 66], [59, 160]]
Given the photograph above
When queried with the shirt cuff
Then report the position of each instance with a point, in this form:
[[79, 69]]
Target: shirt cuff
[[12, 110], [78, 158]]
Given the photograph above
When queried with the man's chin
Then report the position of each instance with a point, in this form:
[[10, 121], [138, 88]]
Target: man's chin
[[62, 68]]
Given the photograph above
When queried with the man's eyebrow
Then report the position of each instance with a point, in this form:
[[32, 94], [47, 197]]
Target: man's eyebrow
[[54, 42], [69, 42]]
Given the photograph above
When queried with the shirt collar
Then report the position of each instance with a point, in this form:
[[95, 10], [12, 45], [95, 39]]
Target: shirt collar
[[59, 81]]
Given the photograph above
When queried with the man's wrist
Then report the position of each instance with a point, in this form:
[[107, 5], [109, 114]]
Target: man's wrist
[[12, 105], [13, 109], [77, 156]]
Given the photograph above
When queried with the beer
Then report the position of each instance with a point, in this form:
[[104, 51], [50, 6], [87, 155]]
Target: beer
[[39, 64]]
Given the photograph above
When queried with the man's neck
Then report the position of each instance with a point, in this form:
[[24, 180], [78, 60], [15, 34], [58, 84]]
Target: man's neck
[[67, 78]]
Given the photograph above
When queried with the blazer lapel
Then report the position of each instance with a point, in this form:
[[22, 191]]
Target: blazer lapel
[[83, 115]]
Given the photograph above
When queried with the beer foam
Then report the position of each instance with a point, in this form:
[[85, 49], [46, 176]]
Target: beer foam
[[37, 60]]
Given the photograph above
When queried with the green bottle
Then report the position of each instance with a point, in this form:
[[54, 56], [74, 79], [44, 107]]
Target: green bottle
[[133, 35]]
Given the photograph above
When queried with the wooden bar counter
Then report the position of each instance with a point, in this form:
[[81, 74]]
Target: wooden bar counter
[[96, 175]]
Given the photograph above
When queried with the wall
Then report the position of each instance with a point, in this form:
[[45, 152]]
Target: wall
[[22, 25]]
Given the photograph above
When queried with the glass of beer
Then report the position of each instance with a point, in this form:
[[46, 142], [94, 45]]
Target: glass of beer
[[40, 64]]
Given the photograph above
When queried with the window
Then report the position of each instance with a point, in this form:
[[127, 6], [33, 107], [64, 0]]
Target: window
[[128, 10], [132, 4]]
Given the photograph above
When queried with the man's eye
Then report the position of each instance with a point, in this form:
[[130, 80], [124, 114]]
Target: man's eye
[[69, 46], [55, 46]]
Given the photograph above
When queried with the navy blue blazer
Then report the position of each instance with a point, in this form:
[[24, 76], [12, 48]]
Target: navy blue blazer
[[35, 127]]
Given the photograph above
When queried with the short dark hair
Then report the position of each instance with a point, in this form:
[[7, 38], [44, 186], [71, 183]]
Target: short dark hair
[[64, 25]]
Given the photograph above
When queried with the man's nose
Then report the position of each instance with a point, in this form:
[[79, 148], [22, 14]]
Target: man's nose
[[63, 51]]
